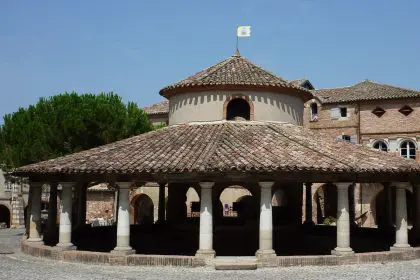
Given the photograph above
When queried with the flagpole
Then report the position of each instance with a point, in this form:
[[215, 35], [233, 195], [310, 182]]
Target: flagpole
[[237, 41]]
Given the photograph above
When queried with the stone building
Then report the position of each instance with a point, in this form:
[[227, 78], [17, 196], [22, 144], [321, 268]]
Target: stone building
[[231, 126]]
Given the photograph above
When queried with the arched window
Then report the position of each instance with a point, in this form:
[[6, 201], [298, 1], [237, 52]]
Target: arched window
[[408, 149], [238, 108], [314, 112], [380, 145]]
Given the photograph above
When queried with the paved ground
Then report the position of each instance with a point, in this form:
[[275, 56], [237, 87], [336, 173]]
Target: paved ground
[[19, 266]]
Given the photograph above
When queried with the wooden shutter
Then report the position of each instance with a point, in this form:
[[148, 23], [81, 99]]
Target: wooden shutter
[[335, 113], [353, 139]]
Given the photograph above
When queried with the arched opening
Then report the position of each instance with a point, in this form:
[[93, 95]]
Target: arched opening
[[314, 111], [192, 203], [4, 217], [230, 199], [279, 203], [143, 210], [385, 209], [238, 108], [381, 146], [326, 204]]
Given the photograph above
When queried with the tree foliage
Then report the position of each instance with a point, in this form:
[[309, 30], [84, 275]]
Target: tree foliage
[[67, 123]]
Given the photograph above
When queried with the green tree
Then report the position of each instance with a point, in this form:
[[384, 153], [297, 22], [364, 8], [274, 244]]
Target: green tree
[[67, 123]]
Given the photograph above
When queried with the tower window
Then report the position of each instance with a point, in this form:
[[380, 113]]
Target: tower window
[[238, 109], [343, 112]]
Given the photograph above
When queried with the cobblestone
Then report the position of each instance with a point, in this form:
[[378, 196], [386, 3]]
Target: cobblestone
[[20, 266]]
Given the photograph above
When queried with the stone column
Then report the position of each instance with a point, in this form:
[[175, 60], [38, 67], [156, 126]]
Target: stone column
[[308, 204], [343, 221], [161, 208], [123, 222], [205, 249], [81, 205], [416, 189], [266, 222], [64, 238], [52, 210], [401, 233], [35, 213]]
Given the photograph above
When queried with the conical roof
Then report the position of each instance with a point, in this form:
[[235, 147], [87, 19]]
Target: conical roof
[[235, 73]]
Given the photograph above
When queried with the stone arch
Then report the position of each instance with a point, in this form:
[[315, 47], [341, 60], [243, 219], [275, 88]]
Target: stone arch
[[238, 97], [229, 199], [5, 218], [381, 206], [143, 209], [325, 200], [192, 202]]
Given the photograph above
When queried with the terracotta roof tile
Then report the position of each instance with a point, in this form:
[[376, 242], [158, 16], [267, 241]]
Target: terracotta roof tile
[[226, 146], [157, 108], [234, 71], [366, 90]]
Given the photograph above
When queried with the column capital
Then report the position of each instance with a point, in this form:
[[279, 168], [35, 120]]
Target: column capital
[[206, 185], [343, 185], [124, 185], [266, 185], [400, 185], [67, 184]]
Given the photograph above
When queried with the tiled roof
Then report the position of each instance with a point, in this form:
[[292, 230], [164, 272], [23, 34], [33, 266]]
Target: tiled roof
[[158, 108], [366, 90], [302, 83], [236, 72], [227, 146]]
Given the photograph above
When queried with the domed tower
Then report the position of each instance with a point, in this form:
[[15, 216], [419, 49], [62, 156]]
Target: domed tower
[[235, 89]]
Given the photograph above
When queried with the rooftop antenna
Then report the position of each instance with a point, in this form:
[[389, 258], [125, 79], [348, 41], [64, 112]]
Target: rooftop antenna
[[241, 31]]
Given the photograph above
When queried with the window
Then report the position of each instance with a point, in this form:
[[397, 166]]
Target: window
[[408, 149], [380, 145], [343, 112], [314, 112], [238, 109], [346, 138], [406, 110], [339, 113], [378, 111]]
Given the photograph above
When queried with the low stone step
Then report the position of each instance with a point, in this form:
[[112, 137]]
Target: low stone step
[[235, 263]]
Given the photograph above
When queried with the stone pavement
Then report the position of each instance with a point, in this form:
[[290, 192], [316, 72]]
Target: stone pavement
[[20, 266]]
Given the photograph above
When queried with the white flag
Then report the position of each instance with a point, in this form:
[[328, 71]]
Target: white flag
[[243, 31]]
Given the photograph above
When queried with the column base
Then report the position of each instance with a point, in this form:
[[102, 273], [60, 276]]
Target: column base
[[401, 247], [342, 251], [264, 254], [34, 239], [308, 223], [205, 254], [123, 251], [65, 246]]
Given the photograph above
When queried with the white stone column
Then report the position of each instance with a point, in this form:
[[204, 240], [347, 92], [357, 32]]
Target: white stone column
[[64, 238], [401, 233], [343, 221], [123, 221], [35, 213], [205, 248], [266, 222]]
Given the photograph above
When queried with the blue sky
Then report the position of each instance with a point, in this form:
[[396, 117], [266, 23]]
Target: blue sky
[[135, 48]]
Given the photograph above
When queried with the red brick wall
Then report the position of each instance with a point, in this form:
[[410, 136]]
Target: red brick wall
[[392, 122]]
